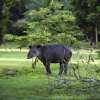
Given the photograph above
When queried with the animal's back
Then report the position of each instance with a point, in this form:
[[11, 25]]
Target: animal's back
[[55, 48], [55, 52]]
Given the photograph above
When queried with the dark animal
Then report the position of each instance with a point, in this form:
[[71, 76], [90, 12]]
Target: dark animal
[[51, 54]]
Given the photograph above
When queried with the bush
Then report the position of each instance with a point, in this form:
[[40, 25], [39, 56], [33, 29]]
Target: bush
[[9, 38]]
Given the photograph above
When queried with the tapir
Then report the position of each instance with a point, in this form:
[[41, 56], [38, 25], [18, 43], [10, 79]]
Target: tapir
[[48, 54]]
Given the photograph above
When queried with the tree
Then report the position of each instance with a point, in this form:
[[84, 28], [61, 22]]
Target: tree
[[1, 16], [88, 17], [51, 23], [10, 12], [17, 18], [5, 4]]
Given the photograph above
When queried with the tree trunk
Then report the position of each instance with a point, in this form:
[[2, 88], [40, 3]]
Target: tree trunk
[[96, 34], [1, 17], [1, 37], [51, 2]]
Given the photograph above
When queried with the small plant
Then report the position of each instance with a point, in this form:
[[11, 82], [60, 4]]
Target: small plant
[[98, 52], [10, 72]]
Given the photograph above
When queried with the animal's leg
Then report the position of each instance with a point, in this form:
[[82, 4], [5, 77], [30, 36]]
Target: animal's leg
[[66, 61], [65, 67], [47, 67], [61, 68]]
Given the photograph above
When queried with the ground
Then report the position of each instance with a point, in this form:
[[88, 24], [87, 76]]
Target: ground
[[33, 84]]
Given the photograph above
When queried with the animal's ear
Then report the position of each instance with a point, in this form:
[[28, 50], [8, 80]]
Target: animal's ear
[[30, 47], [39, 46]]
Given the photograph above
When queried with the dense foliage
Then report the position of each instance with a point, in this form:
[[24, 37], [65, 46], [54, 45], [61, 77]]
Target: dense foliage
[[88, 17], [11, 17], [50, 21], [50, 24]]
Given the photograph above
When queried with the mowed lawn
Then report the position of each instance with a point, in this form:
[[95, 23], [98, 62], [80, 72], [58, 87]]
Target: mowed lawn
[[34, 84]]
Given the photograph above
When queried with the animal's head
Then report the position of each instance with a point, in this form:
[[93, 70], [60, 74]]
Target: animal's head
[[34, 51]]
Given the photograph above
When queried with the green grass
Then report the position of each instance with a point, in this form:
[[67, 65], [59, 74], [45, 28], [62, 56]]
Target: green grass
[[29, 84], [13, 54]]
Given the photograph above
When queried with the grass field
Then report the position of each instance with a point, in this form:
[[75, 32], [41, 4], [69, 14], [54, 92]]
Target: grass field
[[34, 84]]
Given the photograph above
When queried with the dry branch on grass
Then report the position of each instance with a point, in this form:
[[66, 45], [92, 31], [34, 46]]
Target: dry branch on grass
[[85, 84]]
